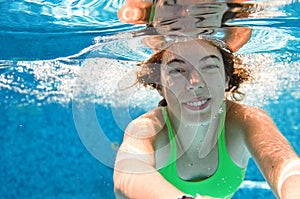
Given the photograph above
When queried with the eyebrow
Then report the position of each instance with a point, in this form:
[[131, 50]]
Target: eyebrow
[[209, 57], [201, 60], [175, 60]]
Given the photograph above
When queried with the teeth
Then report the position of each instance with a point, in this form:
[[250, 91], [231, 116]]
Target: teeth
[[198, 103]]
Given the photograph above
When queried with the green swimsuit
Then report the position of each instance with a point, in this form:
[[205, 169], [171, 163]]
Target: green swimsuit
[[222, 184]]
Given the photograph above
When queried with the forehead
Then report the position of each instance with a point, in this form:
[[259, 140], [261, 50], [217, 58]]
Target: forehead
[[191, 50]]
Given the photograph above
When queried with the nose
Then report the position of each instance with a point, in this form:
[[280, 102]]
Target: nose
[[195, 80]]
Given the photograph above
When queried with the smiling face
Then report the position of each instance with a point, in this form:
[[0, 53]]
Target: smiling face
[[193, 81]]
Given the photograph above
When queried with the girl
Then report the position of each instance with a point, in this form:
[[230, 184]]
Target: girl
[[198, 141]]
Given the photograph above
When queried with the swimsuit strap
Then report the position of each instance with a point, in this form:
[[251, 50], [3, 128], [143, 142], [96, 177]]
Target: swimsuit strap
[[173, 150], [152, 12]]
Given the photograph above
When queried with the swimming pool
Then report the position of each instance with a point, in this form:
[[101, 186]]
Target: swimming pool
[[51, 145]]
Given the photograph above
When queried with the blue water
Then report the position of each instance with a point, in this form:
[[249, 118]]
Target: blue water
[[50, 138]]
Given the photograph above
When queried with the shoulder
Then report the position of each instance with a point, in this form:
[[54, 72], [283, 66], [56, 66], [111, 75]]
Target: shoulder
[[139, 137], [259, 132], [248, 129], [247, 117], [243, 109], [147, 125]]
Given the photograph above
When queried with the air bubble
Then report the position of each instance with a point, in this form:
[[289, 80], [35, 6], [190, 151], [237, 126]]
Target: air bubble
[[221, 110]]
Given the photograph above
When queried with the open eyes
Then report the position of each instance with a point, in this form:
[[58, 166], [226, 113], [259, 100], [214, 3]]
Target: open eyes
[[209, 66], [177, 71], [170, 2], [182, 70]]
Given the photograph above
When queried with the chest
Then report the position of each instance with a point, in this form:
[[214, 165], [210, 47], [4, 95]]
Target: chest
[[188, 164], [192, 168]]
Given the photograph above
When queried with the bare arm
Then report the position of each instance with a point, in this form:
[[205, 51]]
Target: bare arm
[[273, 154], [147, 184], [135, 175]]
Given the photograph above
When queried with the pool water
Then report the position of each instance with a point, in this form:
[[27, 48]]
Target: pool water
[[61, 122]]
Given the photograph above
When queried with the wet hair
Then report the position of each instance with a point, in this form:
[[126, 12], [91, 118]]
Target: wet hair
[[235, 71]]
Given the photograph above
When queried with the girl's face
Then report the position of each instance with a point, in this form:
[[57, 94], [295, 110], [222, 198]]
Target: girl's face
[[193, 81]]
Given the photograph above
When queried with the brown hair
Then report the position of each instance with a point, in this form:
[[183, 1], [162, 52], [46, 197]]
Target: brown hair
[[235, 71]]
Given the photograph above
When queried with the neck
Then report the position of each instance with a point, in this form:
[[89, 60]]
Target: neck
[[200, 137]]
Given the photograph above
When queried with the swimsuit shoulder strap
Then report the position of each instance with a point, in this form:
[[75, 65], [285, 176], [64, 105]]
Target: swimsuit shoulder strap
[[173, 153]]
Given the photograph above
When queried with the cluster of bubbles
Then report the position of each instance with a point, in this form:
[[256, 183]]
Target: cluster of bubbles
[[271, 78], [110, 81]]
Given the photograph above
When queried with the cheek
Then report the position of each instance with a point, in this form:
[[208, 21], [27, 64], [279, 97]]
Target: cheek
[[171, 98], [216, 83], [175, 84], [169, 82]]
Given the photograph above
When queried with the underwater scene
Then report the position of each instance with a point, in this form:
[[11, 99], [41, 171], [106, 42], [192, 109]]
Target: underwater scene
[[68, 89]]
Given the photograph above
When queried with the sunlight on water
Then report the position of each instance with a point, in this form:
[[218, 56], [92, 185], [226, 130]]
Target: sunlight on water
[[269, 39], [65, 15], [255, 184]]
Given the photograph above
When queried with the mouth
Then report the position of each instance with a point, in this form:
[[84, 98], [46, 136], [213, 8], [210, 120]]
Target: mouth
[[198, 104]]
